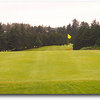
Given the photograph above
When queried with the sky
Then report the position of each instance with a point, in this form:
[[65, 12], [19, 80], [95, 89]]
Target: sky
[[55, 13]]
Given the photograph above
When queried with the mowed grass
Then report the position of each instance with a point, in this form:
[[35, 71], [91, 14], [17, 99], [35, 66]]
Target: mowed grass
[[53, 48], [50, 71]]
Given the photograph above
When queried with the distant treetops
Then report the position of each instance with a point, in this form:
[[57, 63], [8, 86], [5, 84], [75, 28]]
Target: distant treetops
[[17, 36]]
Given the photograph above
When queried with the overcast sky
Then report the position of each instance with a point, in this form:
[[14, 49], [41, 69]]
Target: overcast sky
[[49, 12]]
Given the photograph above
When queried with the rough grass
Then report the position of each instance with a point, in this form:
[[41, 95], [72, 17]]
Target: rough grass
[[91, 48], [50, 71]]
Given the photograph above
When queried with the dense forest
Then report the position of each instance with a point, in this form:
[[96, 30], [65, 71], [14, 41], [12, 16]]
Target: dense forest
[[19, 36]]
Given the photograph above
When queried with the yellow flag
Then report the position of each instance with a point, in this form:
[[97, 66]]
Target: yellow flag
[[69, 37]]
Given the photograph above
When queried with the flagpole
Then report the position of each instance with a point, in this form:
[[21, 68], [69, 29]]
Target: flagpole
[[68, 37], [67, 40]]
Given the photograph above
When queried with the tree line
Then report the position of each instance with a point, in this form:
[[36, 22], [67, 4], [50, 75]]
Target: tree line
[[19, 36], [87, 35]]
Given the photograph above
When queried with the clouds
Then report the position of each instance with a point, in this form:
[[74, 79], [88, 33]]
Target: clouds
[[50, 12]]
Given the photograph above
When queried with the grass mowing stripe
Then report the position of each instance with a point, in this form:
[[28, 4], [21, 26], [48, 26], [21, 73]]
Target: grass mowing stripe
[[55, 71], [52, 87]]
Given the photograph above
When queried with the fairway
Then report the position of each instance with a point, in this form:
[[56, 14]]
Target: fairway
[[50, 71]]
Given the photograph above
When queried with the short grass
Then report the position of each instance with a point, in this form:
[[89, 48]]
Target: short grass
[[53, 48], [50, 71]]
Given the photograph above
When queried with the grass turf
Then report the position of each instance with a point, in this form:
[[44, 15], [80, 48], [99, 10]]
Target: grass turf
[[50, 71]]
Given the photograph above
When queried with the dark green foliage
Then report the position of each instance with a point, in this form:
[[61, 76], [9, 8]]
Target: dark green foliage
[[17, 37], [82, 37], [87, 35], [98, 42]]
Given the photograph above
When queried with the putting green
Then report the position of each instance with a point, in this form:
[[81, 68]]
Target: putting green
[[50, 71]]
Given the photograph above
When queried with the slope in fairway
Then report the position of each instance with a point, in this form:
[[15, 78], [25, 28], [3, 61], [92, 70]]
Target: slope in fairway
[[45, 71]]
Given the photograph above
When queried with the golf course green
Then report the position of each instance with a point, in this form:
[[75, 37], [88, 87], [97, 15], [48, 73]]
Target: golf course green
[[50, 70]]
